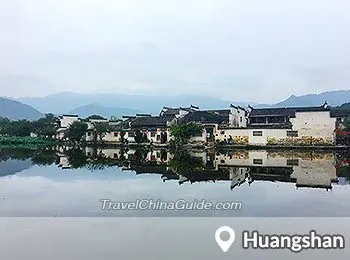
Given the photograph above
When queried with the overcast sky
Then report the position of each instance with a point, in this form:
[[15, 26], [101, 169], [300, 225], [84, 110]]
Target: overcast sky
[[243, 50]]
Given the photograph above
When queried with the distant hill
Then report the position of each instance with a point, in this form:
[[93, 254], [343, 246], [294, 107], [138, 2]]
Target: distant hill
[[334, 98], [65, 102], [15, 110], [107, 112], [345, 106]]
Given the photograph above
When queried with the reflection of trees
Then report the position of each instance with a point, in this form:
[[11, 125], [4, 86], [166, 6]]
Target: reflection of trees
[[16, 154], [343, 164], [45, 157], [38, 157], [76, 158], [140, 156], [185, 164], [97, 161]]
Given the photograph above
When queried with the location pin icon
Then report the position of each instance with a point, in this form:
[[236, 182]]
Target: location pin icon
[[225, 245]]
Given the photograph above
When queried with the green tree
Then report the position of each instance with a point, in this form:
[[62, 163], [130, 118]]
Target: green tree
[[122, 127], [76, 131], [140, 137], [99, 131], [95, 117], [46, 127], [183, 132], [19, 128], [4, 124], [347, 123]]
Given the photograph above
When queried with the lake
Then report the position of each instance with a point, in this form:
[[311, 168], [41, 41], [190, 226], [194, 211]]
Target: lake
[[66, 182]]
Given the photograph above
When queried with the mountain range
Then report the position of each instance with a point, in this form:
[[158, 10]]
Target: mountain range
[[15, 110], [333, 98], [65, 102], [117, 105], [107, 112]]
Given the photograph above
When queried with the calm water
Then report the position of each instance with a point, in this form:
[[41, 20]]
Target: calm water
[[67, 182]]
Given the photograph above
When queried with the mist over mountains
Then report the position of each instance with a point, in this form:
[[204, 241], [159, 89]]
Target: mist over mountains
[[107, 112], [15, 110], [116, 105], [66, 102]]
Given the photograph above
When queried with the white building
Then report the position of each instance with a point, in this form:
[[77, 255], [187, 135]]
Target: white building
[[64, 122]]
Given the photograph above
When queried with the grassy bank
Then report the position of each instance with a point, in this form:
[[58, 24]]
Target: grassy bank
[[26, 141]]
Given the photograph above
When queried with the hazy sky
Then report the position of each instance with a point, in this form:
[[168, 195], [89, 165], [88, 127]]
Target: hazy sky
[[243, 50]]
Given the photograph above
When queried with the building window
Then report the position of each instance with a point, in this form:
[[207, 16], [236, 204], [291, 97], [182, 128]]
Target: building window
[[222, 132], [153, 134], [115, 134], [292, 133], [89, 133], [257, 133], [241, 119], [158, 138], [293, 162], [257, 161]]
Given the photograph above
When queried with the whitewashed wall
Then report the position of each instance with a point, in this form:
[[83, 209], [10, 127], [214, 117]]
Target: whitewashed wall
[[66, 121], [314, 124]]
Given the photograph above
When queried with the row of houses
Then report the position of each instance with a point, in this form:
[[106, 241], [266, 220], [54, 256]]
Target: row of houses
[[320, 125]]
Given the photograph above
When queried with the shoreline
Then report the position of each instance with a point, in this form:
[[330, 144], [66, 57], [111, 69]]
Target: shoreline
[[39, 142]]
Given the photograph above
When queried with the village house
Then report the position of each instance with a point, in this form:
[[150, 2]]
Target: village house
[[153, 128], [64, 122], [321, 125], [209, 119], [178, 112], [116, 133], [283, 126]]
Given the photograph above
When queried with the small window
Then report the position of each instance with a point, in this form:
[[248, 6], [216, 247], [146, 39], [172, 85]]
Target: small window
[[115, 134], [153, 134], [292, 133], [293, 162], [257, 161], [241, 119], [115, 156], [257, 133], [89, 133], [158, 138], [222, 132]]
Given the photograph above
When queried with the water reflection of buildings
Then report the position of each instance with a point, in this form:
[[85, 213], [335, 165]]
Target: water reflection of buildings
[[305, 169]]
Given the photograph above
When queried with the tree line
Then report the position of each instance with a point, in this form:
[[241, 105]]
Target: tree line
[[45, 127]]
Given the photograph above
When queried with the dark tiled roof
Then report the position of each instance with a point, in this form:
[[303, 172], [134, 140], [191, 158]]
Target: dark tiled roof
[[174, 111], [171, 111], [204, 117], [338, 112], [69, 115], [157, 121], [271, 112], [289, 111], [220, 112]]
